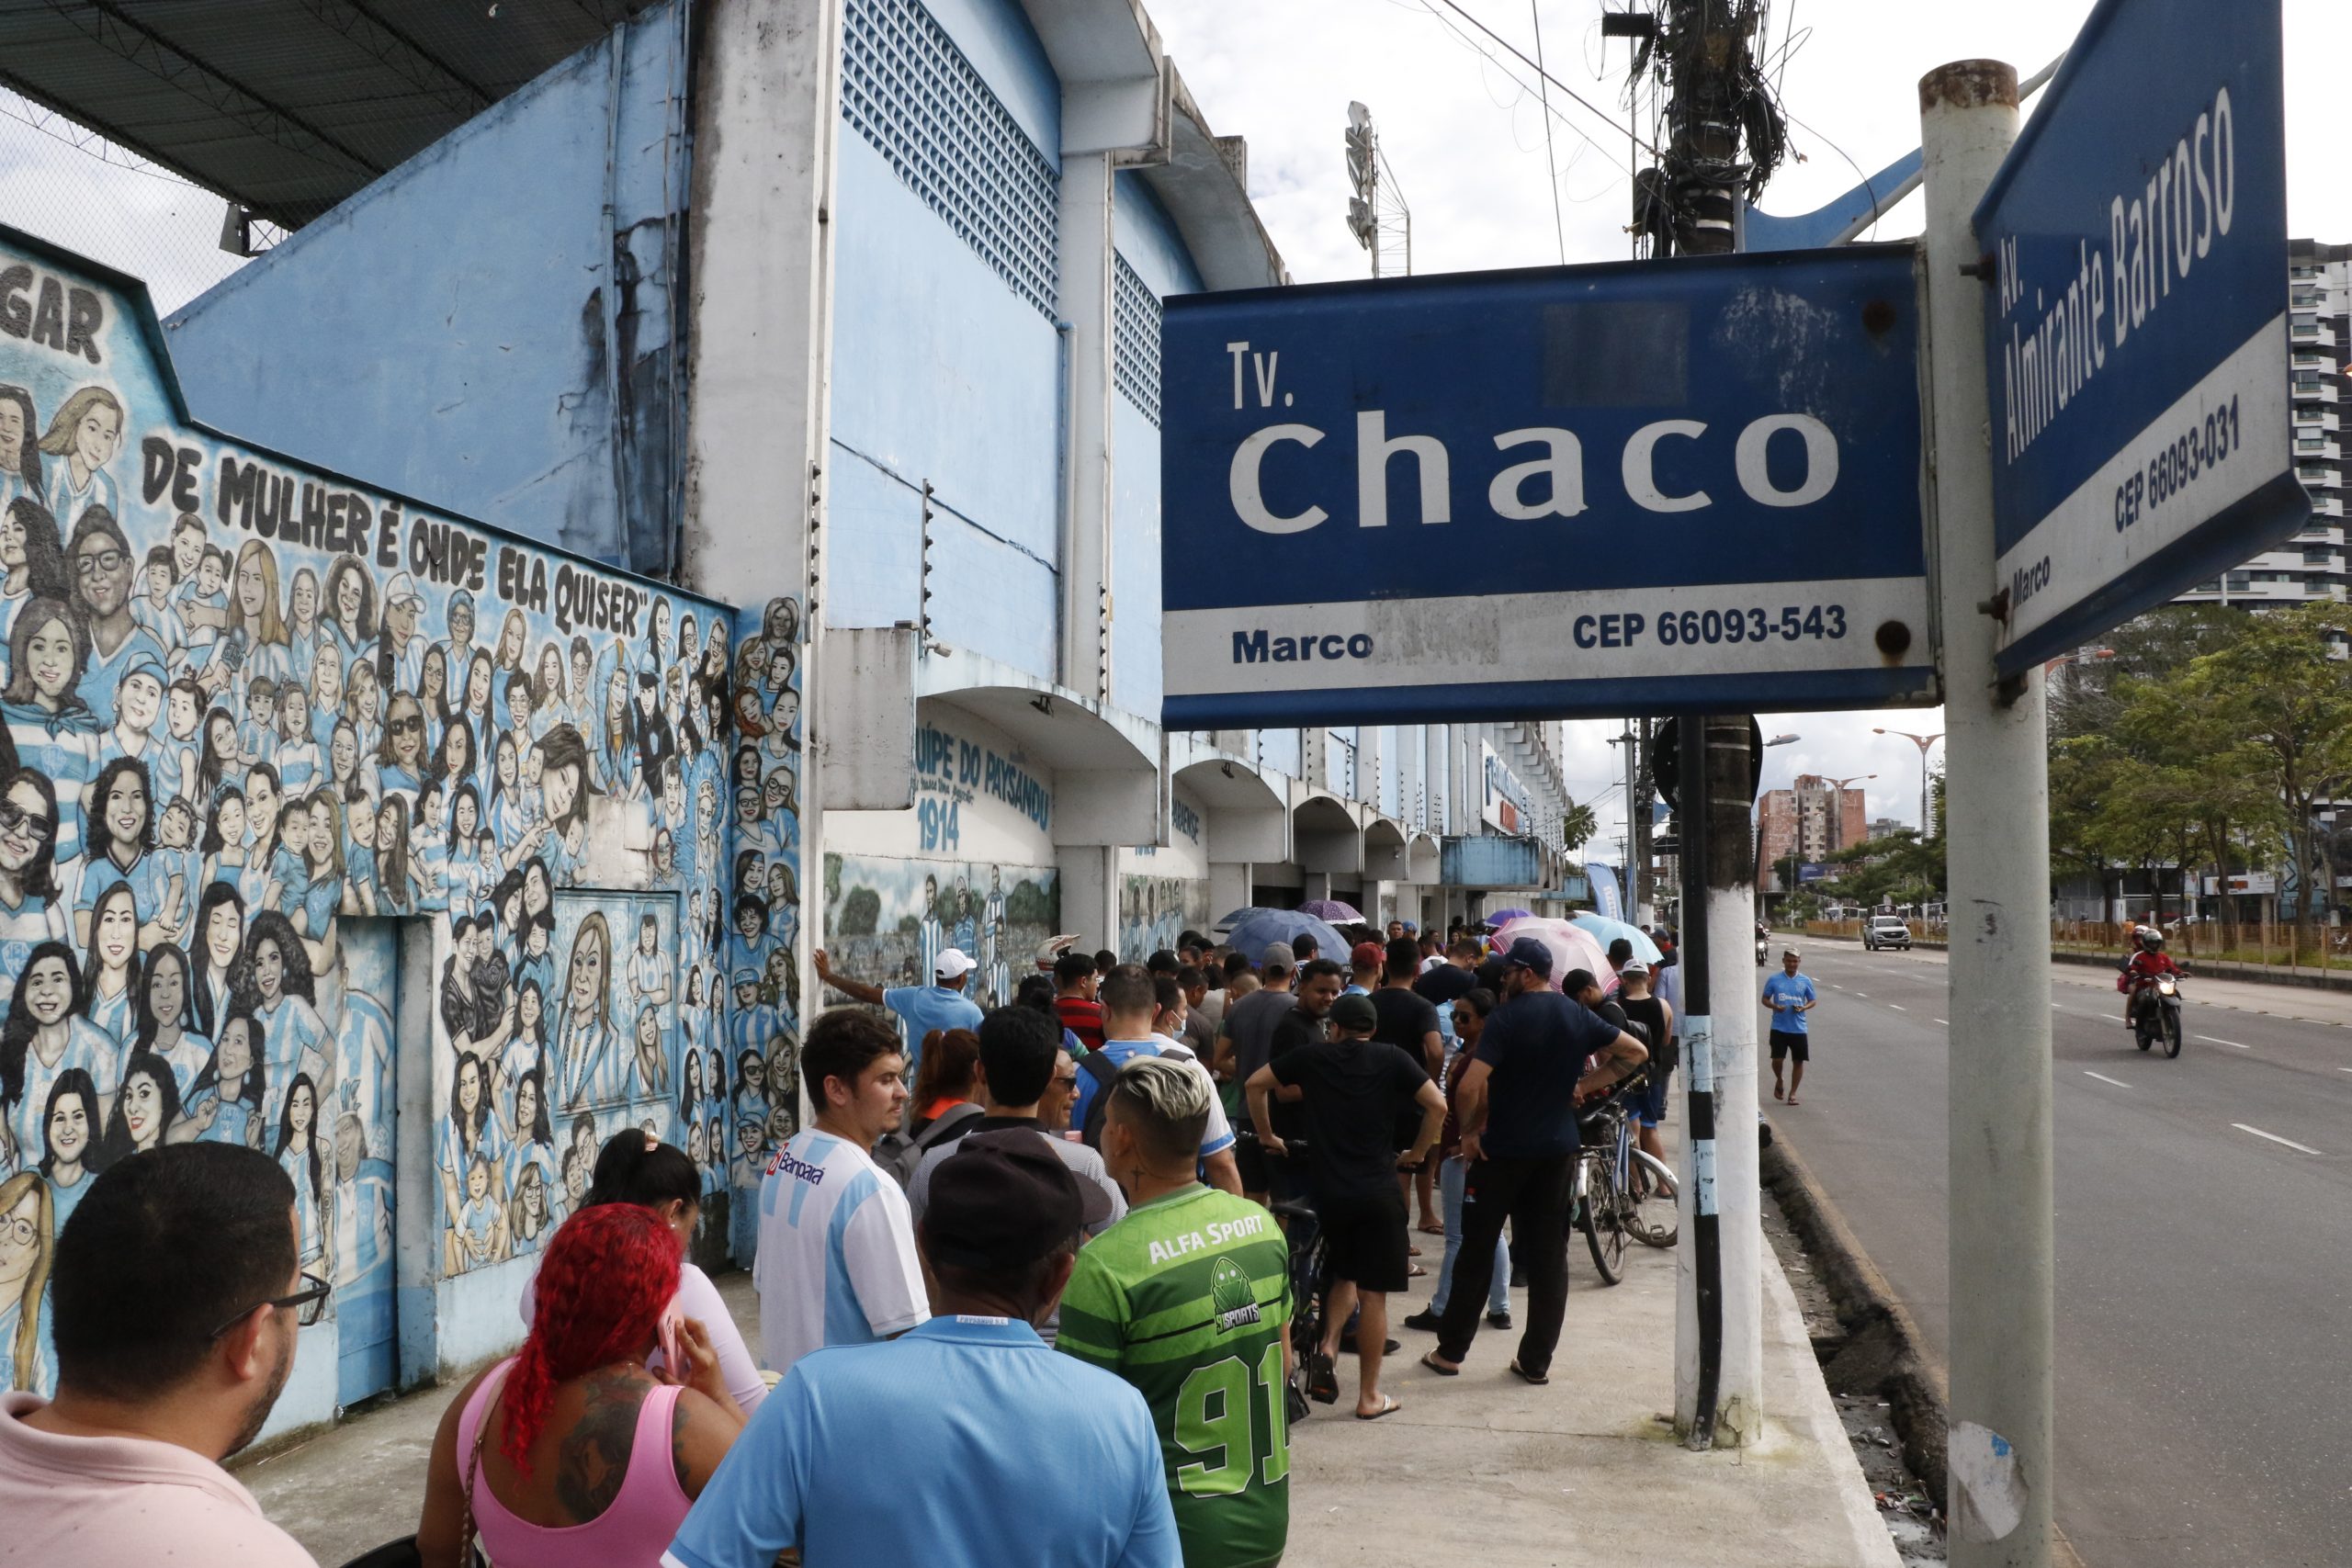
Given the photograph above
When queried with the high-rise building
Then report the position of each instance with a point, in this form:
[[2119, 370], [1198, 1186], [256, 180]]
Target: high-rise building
[[2310, 567], [1812, 820]]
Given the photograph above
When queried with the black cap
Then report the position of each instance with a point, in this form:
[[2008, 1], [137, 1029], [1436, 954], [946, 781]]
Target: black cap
[[1354, 1012], [1526, 952], [1006, 1199]]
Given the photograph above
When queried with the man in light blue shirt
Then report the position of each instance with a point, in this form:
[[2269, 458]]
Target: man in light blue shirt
[[987, 1411], [921, 1009], [1790, 996]]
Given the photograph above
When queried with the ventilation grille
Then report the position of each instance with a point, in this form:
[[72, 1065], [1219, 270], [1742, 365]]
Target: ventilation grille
[[910, 91], [1135, 346]]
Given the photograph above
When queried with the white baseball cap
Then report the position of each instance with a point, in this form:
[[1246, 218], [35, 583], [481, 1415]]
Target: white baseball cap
[[954, 964]]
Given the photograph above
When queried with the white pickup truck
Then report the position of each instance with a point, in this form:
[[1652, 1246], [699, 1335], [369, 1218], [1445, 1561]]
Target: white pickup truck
[[1886, 931]]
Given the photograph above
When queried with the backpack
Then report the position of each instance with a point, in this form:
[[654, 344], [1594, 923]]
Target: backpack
[[1101, 1069], [899, 1156]]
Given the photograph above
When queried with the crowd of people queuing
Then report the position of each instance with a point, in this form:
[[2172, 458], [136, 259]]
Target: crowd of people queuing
[[1033, 1246]]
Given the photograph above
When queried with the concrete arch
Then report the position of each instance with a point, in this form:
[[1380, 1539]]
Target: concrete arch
[[1106, 764], [1326, 834]]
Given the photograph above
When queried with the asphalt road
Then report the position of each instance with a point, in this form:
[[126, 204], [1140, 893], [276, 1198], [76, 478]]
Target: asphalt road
[[2204, 1314]]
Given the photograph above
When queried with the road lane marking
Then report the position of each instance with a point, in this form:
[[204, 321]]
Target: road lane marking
[[2301, 1148], [2104, 1079], [1864, 995], [2212, 1040], [1947, 1023], [1898, 1007]]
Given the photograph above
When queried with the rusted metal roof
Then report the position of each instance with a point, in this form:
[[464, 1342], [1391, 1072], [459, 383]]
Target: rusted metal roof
[[286, 105]]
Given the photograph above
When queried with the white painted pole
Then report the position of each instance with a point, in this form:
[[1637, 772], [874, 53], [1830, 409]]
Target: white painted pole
[[1997, 798]]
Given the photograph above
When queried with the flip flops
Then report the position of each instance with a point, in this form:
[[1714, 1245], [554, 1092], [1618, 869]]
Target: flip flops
[[1388, 1403], [1526, 1376], [1322, 1379], [1439, 1367]]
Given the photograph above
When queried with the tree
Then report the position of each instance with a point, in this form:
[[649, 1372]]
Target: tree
[[2290, 696], [1578, 825]]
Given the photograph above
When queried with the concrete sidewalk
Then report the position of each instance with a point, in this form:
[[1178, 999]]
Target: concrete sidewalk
[[1581, 1471], [1483, 1469]]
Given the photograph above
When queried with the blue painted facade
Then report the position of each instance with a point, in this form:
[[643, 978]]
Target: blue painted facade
[[492, 326]]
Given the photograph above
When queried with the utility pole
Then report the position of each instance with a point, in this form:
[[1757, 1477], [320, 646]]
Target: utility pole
[[1997, 823], [1723, 138], [1377, 215]]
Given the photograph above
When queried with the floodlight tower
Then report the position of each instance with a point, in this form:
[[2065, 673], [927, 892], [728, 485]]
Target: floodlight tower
[[1377, 215]]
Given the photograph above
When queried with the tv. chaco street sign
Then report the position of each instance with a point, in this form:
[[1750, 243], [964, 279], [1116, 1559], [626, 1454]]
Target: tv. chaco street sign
[[2137, 345], [1555, 492]]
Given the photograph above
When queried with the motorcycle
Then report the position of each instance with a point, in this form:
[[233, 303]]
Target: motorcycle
[[1763, 948], [2156, 1014]]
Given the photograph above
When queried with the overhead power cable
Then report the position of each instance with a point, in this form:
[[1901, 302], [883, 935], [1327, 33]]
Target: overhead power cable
[[1551, 163], [1521, 55]]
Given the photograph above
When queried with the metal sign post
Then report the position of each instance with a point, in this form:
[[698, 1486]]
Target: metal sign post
[[1998, 831]]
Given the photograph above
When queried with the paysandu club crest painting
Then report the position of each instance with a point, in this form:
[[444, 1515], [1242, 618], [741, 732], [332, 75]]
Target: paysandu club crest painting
[[253, 718]]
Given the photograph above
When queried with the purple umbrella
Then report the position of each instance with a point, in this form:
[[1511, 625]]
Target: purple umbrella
[[1500, 917], [1331, 909]]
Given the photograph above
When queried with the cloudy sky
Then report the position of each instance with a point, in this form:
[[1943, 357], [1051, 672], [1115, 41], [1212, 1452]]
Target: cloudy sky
[[1463, 126]]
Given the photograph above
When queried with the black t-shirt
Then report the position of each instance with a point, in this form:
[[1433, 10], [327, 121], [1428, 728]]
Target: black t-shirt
[[1445, 983], [1650, 1014], [1354, 1091], [1292, 1030], [1535, 1047], [1405, 1018]]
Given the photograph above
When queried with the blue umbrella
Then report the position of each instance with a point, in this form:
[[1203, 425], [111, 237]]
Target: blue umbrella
[[1259, 926], [1607, 930], [1238, 916]]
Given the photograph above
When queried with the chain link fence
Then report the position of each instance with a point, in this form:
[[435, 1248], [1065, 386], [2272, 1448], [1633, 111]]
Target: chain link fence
[[73, 188]]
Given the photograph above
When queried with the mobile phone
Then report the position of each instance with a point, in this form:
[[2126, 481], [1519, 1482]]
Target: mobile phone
[[670, 1333]]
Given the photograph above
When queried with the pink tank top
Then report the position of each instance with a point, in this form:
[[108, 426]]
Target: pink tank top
[[633, 1533]]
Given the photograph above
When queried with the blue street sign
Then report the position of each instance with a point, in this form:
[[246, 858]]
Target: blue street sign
[[1811, 871], [2136, 347], [1549, 493]]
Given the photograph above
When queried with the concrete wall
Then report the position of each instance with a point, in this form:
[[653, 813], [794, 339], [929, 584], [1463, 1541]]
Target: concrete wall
[[498, 318], [252, 788]]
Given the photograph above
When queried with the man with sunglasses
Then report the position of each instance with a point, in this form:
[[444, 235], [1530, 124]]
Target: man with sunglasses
[[102, 564], [176, 1301]]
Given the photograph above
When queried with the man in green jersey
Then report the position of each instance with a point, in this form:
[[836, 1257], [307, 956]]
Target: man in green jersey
[[1188, 1298]]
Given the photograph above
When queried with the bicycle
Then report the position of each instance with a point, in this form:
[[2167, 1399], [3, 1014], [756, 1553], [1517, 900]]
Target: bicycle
[[1622, 1192], [1304, 1231]]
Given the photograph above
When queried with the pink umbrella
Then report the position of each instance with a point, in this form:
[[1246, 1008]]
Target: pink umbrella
[[1571, 946]]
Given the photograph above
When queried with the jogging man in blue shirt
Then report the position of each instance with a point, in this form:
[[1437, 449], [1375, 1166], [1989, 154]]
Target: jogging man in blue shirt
[[1791, 996]]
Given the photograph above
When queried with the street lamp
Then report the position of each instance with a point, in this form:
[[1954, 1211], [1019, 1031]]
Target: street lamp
[[1923, 742], [1784, 740]]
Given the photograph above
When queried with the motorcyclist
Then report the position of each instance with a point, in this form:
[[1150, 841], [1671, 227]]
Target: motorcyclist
[[2148, 961]]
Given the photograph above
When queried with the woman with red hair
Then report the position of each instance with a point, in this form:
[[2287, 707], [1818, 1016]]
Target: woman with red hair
[[570, 1452]]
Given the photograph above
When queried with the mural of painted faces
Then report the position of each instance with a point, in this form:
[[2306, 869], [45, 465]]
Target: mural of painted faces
[[244, 707]]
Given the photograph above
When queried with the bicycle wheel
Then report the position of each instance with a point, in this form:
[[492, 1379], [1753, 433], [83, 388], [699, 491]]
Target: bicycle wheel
[[1649, 1212], [1604, 1236]]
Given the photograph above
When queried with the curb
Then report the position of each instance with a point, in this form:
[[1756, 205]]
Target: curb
[[1882, 1352]]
